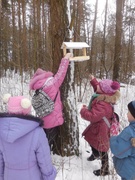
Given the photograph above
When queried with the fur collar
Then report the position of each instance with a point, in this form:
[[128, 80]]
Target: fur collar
[[25, 117], [109, 99]]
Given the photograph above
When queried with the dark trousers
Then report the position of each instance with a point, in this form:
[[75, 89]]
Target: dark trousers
[[103, 156], [51, 135]]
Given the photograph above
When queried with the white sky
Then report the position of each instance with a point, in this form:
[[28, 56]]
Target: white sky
[[101, 4], [101, 9]]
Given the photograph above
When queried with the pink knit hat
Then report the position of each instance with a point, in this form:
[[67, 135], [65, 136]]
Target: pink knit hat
[[17, 104], [108, 86]]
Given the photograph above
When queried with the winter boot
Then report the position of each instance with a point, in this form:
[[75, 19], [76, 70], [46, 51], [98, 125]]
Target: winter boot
[[102, 172], [105, 165]]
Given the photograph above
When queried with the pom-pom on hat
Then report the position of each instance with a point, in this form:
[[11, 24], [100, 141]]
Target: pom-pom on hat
[[17, 104], [131, 108], [108, 86]]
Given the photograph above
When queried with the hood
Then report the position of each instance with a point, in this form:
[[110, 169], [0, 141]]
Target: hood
[[132, 123], [113, 99], [39, 78], [13, 127]]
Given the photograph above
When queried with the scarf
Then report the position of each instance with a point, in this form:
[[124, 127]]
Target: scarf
[[92, 98]]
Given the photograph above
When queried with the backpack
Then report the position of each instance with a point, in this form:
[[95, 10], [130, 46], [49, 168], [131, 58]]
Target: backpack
[[114, 126], [42, 103]]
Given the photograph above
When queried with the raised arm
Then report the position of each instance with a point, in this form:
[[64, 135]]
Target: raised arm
[[61, 73], [93, 82]]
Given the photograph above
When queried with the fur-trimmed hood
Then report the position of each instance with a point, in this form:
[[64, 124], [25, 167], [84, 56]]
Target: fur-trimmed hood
[[14, 126], [110, 99]]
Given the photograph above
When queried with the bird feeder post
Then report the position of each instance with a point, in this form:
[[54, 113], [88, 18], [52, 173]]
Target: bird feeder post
[[64, 50], [84, 51]]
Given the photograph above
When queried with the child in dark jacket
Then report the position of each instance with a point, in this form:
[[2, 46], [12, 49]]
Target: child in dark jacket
[[123, 147], [97, 133]]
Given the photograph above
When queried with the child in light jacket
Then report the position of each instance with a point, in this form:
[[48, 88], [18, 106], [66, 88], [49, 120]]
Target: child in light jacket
[[24, 148], [52, 85], [122, 146], [97, 133]]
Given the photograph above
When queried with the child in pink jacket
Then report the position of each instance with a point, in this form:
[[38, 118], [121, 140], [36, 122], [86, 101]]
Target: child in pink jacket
[[53, 83], [97, 133]]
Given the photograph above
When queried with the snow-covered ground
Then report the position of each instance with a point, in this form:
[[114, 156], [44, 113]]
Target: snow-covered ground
[[73, 168]]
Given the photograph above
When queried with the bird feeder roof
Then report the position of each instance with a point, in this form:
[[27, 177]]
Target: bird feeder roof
[[74, 45]]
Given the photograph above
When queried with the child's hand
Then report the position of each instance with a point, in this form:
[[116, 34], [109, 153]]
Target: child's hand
[[91, 76], [133, 142], [84, 107], [68, 55]]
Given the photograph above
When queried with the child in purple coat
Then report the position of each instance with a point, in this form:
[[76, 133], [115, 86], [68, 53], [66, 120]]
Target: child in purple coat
[[51, 88], [24, 149]]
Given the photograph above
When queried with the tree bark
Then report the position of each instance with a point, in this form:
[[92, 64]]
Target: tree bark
[[118, 37], [90, 62], [68, 139]]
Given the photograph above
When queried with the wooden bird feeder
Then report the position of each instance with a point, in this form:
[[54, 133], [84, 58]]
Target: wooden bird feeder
[[76, 45]]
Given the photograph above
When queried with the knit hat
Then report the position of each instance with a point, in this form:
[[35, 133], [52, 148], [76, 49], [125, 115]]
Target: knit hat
[[17, 104], [131, 107], [108, 86]]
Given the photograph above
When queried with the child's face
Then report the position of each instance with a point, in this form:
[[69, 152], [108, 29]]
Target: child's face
[[130, 117]]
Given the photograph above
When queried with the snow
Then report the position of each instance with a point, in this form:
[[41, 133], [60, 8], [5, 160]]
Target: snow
[[73, 168], [78, 168], [74, 45]]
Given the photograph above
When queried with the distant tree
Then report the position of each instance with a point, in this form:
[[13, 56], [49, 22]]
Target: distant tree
[[118, 39], [90, 62], [128, 47], [103, 46]]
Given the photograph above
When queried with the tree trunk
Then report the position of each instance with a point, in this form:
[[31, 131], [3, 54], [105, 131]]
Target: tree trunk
[[68, 139], [90, 62], [117, 55], [102, 65]]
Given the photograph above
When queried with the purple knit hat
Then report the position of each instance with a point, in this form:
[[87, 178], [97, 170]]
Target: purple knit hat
[[108, 86]]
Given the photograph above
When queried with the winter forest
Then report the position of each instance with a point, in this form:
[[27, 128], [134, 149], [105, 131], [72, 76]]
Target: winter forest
[[31, 35]]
